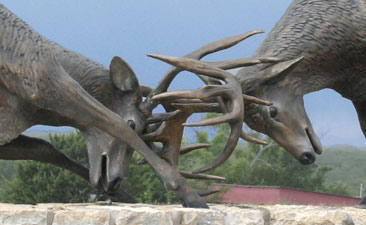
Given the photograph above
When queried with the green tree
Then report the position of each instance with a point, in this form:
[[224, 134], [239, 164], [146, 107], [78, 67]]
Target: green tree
[[7, 170], [39, 182], [145, 186], [275, 166], [35, 182], [348, 166]]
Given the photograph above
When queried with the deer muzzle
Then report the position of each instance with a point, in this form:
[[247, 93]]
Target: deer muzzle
[[108, 181], [103, 176], [302, 143], [109, 167]]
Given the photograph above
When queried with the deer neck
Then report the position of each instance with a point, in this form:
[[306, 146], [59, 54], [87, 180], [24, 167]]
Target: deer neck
[[92, 76], [21, 47], [331, 35]]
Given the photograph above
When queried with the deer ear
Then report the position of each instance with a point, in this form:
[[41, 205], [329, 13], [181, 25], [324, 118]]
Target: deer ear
[[122, 75], [280, 70]]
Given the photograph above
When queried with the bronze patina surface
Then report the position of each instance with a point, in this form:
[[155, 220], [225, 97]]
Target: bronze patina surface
[[321, 44], [43, 83]]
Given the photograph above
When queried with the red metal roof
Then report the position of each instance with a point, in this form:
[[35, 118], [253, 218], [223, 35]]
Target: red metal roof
[[279, 195]]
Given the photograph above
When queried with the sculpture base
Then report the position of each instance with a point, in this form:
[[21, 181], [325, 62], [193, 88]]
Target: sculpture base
[[141, 214]]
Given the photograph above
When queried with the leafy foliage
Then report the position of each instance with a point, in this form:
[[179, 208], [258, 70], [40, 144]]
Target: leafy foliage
[[35, 182], [145, 186], [348, 165], [275, 167], [7, 171], [38, 182]]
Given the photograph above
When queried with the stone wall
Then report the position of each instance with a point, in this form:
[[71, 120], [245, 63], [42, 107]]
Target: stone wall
[[141, 214]]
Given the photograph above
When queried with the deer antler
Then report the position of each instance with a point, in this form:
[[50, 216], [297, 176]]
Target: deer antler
[[231, 90], [214, 97], [149, 104]]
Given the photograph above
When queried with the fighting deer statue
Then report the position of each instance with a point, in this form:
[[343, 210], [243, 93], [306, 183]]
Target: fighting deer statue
[[44, 83], [322, 44]]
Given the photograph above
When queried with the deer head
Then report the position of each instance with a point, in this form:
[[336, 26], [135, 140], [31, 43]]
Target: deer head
[[285, 120], [108, 167], [108, 157], [222, 93]]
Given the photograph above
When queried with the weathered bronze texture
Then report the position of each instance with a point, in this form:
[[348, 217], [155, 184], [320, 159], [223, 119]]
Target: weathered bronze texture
[[216, 96], [43, 83], [224, 96], [321, 44]]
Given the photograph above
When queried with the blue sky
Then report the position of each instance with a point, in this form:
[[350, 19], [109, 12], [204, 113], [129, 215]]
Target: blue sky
[[132, 29]]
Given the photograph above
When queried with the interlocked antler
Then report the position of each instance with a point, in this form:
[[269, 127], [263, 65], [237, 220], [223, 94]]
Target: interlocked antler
[[226, 98], [231, 90], [150, 104]]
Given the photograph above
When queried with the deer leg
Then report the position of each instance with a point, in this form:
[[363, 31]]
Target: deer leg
[[361, 112], [28, 148], [66, 97]]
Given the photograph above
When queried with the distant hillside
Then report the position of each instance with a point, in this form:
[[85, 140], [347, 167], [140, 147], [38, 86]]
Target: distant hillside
[[348, 162], [44, 128], [38, 134], [348, 165], [7, 167], [347, 148], [45, 134]]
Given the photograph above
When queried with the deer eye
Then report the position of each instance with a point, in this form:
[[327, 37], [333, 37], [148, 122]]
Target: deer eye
[[132, 124], [273, 111]]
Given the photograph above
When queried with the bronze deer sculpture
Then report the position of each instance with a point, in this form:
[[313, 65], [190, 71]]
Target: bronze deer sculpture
[[322, 44], [44, 83]]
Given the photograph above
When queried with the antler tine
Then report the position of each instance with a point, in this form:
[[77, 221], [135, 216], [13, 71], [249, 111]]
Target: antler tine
[[160, 117], [256, 100], [226, 118], [207, 91], [232, 90], [198, 107], [201, 176], [225, 43], [222, 107], [231, 143], [235, 63], [204, 193], [230, 64], [195, 105], [221, 44], [193, 66], [233, 112], [183, 150], [191, 147], [249, 138]]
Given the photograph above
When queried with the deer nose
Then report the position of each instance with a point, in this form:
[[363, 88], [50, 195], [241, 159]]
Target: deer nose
[[307, 158], [113, 185], [106, 181]]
